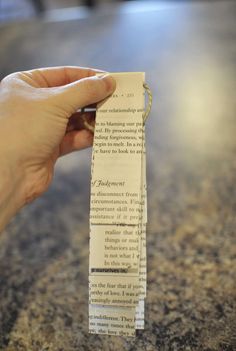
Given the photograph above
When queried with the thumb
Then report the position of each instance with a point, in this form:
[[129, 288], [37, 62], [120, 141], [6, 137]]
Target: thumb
[[84, 92]]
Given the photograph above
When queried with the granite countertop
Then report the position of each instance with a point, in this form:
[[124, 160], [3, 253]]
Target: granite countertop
[[191, 170]]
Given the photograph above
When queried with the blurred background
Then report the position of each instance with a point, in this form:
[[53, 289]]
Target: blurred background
[[187, 49], [19, 9]]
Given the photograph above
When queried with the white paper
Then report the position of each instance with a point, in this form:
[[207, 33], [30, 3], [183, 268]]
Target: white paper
[[118, 212]]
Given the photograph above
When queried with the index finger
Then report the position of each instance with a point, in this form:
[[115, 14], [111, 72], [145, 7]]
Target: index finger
[[57, 76]]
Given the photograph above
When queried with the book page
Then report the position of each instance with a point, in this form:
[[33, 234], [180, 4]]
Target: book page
[[107, 320], [117, 263]]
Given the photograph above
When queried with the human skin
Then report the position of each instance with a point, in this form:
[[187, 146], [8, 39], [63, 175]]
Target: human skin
[[38, 125]]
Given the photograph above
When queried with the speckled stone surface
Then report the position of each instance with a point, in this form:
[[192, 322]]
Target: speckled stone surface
[[188, 52]]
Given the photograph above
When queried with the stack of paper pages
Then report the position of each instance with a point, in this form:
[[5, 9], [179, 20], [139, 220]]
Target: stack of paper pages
[[118, 215]]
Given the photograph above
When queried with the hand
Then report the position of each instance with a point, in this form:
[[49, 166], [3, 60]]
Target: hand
[[36, 126]]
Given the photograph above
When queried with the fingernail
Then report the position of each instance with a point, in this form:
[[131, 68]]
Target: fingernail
[[109, 81], [101, 74]]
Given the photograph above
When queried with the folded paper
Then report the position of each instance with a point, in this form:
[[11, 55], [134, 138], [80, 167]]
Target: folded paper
[[118, 211]]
